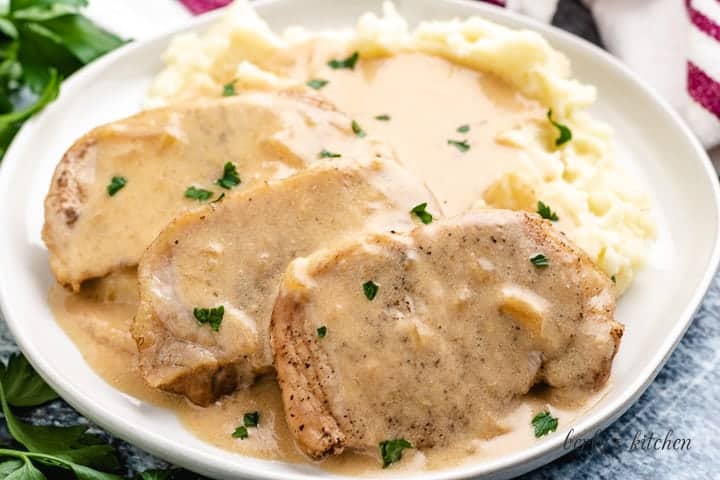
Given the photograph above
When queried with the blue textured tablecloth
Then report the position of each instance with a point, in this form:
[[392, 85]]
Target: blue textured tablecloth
[[685, 397]]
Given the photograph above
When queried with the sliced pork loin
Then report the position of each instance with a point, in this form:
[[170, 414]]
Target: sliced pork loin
[[232, 255], [156, 156], [462, 316]]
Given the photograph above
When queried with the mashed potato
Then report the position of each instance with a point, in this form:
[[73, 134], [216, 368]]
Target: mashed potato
[[600, 208]]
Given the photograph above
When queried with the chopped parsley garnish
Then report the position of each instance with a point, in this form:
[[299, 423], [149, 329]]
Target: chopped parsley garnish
[[211, 316], [116, 184], [420, 212], [463, 146], [391, 450], [230, 177], [348, 63], [251, 419], [357, 129], [614, 280], [199, 194], [322, 331], [229, 89], [220, 197], [317, 83], [383, 118], [544, 423], [327, 154], [546, 212], [565, 132], [370, 289], [463, 129], [540, 260]]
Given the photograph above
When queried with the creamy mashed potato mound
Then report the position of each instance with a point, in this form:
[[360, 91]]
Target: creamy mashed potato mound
[[601, 208]]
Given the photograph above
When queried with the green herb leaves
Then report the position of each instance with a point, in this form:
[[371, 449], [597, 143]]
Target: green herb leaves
[[463, 145], [241, 432], [211, 316], [41, 42], [116, 184], [229, 89], [230, 177], [357, 129], [565, 133], [67, 448], [421, 212], [463, 128], [544, 423], [317, 83], [546, 212], [383, 118], [322, 331], [348, 62], [540, 260], [370, 289], [250, 419], [23, 387], [199, 194], [327, 154], [391, 450]]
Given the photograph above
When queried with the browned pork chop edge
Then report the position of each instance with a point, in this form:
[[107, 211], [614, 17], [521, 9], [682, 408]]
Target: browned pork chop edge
[[306, 407]]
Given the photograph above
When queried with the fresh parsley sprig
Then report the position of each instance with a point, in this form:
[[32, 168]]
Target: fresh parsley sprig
[[42, 42], [47, 449]]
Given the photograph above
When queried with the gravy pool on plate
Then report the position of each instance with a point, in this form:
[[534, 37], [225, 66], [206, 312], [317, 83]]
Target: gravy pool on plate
[[465, 105]]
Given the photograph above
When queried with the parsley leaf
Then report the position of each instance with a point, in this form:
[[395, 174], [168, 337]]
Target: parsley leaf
[[614, 280], [357, 129], [219, 198], [327, 154], [383, 118], [546, 212], [116, 184], [230, 177], [199, 194], [229, 89], [241, 432], [420, 212], [463, 129], [317, 83], [370, 289], [544, 423], [348, 63], [391, 450], [24, 387], [42, 42], [27, 472], [540, 260], [565, 132], [463, 146], [251, 419], [211, 316], [322, 331], [155, 475]]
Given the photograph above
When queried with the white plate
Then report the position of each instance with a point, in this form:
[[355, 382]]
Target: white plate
[[653, 143]]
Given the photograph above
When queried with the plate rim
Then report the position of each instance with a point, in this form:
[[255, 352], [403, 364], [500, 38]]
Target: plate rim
[[516, 462]]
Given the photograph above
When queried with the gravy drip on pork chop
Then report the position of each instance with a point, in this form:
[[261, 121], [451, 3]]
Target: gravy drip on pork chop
[[233, 254], [160, 154], [462, 323]]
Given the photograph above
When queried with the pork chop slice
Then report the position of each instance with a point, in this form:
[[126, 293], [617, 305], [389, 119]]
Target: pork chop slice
[[232, 255], [119, 184], [462, 317]]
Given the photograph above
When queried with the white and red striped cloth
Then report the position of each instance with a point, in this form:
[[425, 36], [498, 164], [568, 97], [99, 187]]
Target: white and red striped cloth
[[674, 46]]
